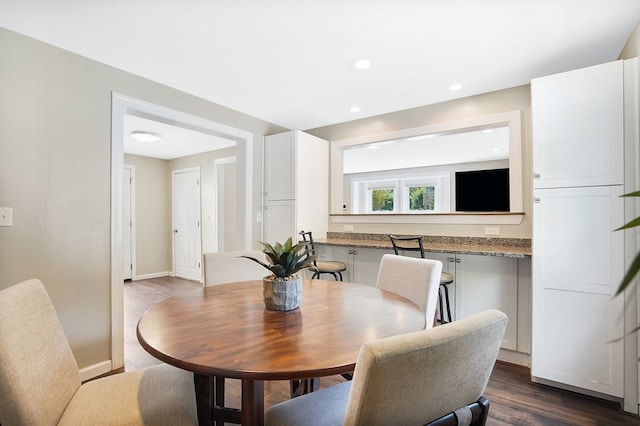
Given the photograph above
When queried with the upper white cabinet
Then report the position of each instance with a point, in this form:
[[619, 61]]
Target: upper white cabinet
[[296, 186], [578, 127]]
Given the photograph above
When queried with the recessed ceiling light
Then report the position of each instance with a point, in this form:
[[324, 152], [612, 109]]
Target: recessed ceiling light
[[143, 136], [361, 64], [456, 86], [354, 109]]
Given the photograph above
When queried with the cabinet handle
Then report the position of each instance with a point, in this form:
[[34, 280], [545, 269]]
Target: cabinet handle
[[450, 259], [266, 207], [355, 252], [536, 199], [536, 175]]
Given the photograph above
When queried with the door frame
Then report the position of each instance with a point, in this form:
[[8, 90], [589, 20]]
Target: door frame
[[132, 213], [121, 105]]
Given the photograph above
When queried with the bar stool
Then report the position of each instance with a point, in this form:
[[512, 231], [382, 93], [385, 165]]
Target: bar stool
[[332, 267], [414, 243]]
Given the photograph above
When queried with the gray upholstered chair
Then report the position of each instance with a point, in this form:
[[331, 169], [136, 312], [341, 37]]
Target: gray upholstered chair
[[413, 379], [40, 383], [228, 267], [416, 279]]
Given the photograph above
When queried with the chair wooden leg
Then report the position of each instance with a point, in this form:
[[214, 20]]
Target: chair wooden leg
[[303, 386]]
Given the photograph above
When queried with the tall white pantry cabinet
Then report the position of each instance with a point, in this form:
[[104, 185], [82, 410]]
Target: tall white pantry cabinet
[[296, 186], [585, 138]]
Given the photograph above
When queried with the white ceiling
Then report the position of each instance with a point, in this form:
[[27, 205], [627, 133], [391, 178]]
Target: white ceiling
[[175, 142], [288, 62]]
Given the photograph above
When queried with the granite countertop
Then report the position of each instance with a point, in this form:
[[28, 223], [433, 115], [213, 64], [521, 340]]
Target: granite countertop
[[504, 247]]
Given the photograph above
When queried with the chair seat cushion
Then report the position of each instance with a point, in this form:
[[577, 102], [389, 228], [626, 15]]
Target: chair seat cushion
[[160, 395], [329, 266], [446, 278], [311, 409]]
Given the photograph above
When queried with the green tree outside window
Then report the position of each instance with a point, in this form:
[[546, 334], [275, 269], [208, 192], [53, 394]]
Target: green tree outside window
[[422, 198], [382, 200]]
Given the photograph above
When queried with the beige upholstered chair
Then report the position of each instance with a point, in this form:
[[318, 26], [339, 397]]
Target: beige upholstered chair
[[40, 383], [228, 267], [414, 243], [416, 279], [412, 379]]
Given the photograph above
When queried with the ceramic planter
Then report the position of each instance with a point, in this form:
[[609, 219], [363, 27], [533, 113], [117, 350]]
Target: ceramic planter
[[282, 294]]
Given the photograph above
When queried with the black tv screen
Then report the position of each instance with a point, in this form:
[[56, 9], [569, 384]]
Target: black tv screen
[[482, 191]]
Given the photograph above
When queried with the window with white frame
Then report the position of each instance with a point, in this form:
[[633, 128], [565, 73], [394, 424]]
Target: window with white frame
[[408, 194]]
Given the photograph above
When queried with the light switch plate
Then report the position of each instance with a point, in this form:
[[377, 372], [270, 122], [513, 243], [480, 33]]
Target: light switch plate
[[6, 216]]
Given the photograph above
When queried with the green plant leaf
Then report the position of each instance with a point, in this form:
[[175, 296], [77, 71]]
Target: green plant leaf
[[629, 276]]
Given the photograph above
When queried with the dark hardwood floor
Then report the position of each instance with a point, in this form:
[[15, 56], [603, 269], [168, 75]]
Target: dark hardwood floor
[[514, 399]]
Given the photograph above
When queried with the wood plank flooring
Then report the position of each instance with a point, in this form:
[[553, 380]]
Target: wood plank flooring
[[514, 399]]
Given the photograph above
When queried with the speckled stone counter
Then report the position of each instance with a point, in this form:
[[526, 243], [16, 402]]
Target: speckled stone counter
[[504, 247]]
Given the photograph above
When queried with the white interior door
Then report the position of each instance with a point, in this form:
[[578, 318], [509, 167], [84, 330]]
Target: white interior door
[[186, 224], [127, 222]]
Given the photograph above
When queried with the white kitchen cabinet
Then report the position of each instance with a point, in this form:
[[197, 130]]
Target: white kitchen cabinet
[[578, 127], [362, 263], [481, 283], [296, 186], [578, 262], [578, 147]]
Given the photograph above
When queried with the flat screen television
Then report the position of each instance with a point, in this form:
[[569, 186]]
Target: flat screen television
[[482, 191]]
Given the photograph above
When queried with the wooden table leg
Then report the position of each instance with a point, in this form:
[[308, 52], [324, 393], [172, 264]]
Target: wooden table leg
[[252, 402], [204, 397]]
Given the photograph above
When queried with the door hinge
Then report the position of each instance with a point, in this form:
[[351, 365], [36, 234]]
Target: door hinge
[[198, 264]]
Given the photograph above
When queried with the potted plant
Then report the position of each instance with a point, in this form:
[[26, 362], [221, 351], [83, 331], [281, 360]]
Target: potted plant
[[282, 289]]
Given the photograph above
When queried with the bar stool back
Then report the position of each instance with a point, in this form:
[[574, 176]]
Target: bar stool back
[[320, 267]]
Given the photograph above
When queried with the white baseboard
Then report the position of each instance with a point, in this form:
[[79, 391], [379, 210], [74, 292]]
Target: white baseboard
[[153, 275], [513, 357], [95, 370]]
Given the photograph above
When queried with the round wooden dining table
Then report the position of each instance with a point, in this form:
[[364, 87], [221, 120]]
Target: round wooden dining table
[[225, 331]]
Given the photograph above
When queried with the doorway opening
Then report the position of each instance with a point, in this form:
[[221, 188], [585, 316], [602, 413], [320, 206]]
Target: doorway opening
[[123, 105]]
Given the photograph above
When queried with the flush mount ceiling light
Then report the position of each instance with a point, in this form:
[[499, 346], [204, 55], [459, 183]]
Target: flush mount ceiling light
[[456, 86], [142, 136], [361, 64]]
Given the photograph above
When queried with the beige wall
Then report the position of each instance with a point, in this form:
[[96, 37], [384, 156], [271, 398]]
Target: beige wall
[[152, 214], [55, 165], [632, 48], [517, 98]]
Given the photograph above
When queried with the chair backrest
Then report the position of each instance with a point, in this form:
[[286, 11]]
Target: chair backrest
[[228, 267], [416, 279], [415, 378], [307, 237], [406, 243], [38, 373]]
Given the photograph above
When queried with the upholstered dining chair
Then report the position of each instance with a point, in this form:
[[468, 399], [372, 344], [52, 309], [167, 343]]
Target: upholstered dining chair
[[40, 383], [431, 377], [228, 267], [408, 243], [333, 267], [414, 278]]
